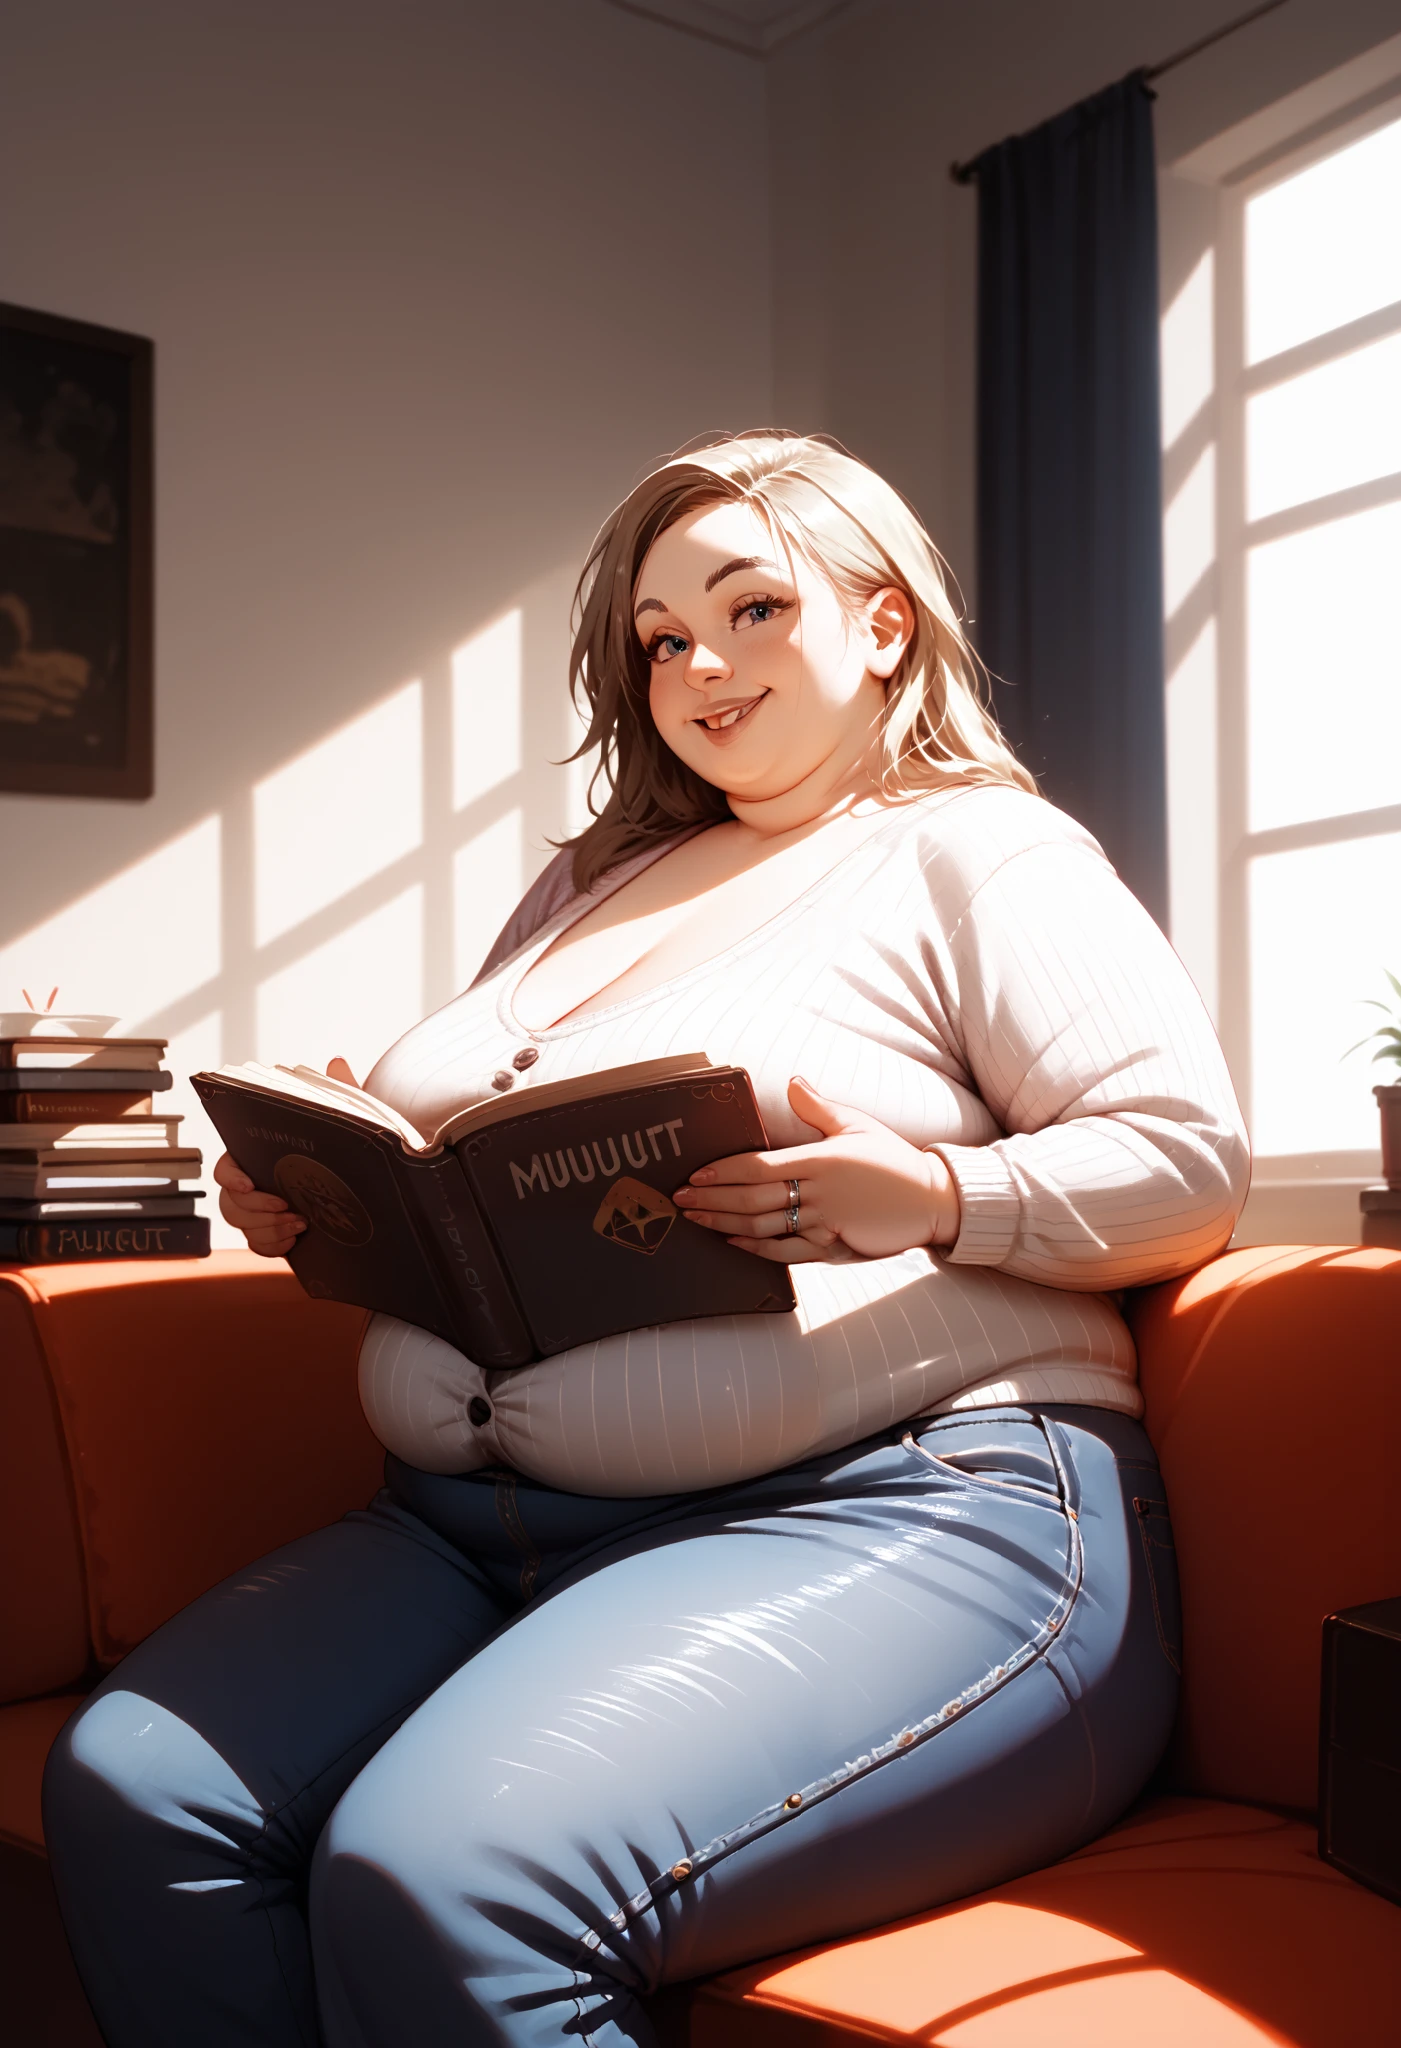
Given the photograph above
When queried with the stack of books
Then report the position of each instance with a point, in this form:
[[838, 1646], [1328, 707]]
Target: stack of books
[[89, 1169]]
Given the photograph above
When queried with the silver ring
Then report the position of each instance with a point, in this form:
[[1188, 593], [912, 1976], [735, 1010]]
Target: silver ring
[[794, 1226], [793, 1195]]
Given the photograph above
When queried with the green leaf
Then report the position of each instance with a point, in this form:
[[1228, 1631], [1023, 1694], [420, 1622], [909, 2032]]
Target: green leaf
[[1392, 979]]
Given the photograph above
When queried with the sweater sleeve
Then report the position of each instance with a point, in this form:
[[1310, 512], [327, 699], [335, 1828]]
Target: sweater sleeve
[[1125, 1158]]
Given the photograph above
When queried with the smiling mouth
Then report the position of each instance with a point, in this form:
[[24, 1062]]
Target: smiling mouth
[[727, 716]]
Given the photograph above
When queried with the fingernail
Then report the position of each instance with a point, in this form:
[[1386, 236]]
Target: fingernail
[[702, 1176]]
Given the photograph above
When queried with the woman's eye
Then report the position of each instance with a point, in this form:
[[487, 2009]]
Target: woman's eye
[[667, 646], [758, 611]]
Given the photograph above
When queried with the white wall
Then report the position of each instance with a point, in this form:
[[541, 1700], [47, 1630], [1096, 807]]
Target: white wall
[[406, 359]]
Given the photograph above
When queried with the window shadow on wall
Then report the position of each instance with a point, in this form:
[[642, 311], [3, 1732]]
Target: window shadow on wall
[[328, 905]]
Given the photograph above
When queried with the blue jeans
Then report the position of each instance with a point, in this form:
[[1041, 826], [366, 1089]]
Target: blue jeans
[[488, 1762]]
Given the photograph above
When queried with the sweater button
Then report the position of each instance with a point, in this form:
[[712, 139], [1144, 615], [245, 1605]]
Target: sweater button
[[501, 1080], [478, 1412], [526, 1057]]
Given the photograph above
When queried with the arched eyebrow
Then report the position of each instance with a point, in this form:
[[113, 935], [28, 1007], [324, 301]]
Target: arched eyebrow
[[654, 604], [739, 562]]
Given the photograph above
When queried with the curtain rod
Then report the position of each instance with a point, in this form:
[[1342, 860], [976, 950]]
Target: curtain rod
[[966, 173]]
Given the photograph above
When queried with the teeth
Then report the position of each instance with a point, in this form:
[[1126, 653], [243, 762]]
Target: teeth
[[726, 718]]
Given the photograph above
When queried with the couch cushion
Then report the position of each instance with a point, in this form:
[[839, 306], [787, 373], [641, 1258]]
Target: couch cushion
[[27, 1731], [1192, 1922], [43, 1599], [209, 1413], [1274, 1399]]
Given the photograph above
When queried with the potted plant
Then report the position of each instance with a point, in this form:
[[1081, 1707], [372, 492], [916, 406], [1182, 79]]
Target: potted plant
[[1388, 1093]]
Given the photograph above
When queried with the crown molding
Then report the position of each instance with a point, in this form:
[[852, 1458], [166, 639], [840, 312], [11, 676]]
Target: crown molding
[[752, 28]]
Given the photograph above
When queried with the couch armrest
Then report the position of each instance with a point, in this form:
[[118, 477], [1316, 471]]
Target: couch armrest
[[208, 1412], [1272, 1387]]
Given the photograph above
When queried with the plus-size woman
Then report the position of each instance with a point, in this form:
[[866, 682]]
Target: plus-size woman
[[702, 1642]]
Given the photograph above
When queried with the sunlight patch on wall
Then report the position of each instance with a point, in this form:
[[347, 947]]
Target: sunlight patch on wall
[[135, 944], [344, 810], [1188, 350], [352, 996], [1189, 532], [487, 883], [1193, 875], [486, 709]]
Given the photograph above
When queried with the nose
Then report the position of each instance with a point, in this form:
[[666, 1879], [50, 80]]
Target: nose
[[706, 667]]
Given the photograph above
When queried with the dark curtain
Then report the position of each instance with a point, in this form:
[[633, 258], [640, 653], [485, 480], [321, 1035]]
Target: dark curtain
[[1070, 613]]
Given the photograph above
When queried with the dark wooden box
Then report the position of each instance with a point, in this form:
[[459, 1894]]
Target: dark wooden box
[[1359, 1776]]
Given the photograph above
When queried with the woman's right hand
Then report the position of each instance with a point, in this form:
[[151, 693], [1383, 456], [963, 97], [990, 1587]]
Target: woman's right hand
[[270, 1226]]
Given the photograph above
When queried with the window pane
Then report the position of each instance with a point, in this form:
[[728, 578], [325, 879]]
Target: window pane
[[1325, 246], [1332, 427], [1323, 926], [1324, 677]]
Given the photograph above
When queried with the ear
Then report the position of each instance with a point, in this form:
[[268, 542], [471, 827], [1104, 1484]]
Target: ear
[[889, 620]]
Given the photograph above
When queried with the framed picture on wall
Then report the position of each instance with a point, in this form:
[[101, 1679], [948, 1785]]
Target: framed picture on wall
[[76, 554]]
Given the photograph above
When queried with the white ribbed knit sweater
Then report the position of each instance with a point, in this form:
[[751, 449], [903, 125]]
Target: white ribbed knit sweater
[[975, 976]]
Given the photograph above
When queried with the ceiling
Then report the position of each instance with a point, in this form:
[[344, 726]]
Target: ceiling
[[752, 26]]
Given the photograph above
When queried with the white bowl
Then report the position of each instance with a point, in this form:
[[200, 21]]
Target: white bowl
[[48, 1024]]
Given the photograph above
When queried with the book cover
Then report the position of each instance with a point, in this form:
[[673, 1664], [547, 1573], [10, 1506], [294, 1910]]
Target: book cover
[[72, 1174], [85, 1081], [97, 1238], [390, 1229], [116, 1208], [132, 1134], [578, 1197], [78, 1053], [523, 1228], [71, 1106]]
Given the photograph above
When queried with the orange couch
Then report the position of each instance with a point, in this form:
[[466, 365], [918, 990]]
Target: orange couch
[[162, 1424]]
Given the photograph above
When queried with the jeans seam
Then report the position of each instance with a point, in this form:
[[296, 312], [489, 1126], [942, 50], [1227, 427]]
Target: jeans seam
[[697, 1862], [508, 1510], [1141, 1509]]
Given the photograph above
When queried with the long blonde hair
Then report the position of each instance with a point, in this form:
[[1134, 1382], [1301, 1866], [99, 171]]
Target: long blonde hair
[[855, 530]]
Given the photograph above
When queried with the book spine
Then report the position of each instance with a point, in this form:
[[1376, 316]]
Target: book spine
[[36, 1244], [490, 1327], [27, 1108]]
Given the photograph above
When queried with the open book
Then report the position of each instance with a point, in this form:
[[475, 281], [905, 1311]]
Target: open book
[[528, 1223]]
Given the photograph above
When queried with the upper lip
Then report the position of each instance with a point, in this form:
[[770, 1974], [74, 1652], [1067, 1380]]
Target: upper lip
[[721, 705]]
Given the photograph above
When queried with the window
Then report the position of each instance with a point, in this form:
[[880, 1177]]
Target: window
[[1282, 417]]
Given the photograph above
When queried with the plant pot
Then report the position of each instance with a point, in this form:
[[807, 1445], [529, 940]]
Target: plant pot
[[1389, 1103]]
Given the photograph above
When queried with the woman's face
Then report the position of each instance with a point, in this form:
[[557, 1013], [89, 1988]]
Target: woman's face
[[759, 677]]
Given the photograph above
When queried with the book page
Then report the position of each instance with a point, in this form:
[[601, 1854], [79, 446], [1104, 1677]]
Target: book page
[[551, 1094], [305, 1084]]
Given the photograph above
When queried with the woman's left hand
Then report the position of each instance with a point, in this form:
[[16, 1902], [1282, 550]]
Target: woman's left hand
[[861, 1185]]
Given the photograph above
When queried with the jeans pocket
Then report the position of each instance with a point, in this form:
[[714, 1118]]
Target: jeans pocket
[[1160, 1556]]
